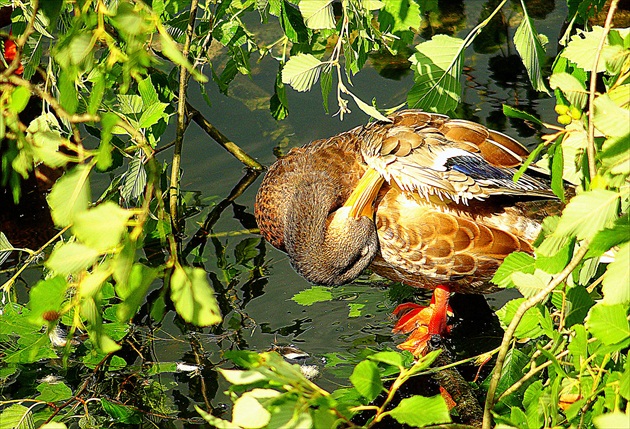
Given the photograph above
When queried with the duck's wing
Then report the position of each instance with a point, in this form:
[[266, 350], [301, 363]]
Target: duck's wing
[[452, 159]]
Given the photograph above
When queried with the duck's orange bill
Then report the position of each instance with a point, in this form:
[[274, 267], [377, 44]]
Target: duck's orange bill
[[362, 198]]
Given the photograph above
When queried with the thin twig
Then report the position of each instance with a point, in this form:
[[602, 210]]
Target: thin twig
[[509, 333], [181, 120], [590, 147]]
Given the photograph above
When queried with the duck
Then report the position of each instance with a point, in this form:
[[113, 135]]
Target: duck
[[422, 199]]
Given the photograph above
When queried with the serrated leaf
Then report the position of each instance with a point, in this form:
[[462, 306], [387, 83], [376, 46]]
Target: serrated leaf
[[609, 323], [574, 90], [314, 294], [135, 179], [531, 51], [70, 258], [611, 119], [194, 297], [318, 14], [366, 379], [515, 262], [69, 196], [16, 417], [399, 15], [530, 284], [600, 205], [419, 411], [437, 69], [616, 286], [102, 227], [302, 71], [529, 326], [584, 47]]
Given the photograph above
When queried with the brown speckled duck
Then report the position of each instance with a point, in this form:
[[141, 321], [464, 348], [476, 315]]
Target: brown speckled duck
[[424, 199]]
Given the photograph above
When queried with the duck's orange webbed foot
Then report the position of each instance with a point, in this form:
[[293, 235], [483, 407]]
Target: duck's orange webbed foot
[[423, 322]]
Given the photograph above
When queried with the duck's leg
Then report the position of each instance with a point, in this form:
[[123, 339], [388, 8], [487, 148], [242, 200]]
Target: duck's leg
[[423, 322]]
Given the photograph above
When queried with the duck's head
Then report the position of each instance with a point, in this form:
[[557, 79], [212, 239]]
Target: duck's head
[[325, 226]]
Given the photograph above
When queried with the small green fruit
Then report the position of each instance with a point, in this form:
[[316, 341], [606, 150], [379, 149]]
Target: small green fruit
[[565, 119], [575, 113], [561, 109]]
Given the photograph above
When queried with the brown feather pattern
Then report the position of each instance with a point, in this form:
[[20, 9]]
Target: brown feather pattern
[[448, 212]]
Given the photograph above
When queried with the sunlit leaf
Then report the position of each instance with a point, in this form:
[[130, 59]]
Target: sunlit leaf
[[370, 110], [215, 421], [531, 51], [16, 417], [611, 119], [301, 71], [419, 411], [318, 14], [583, 48], [194, 297], [248, 412], [437, 69], [134, 290], [5, 248], [102, 227], [71, 258], [601, 204], [573, 89], [19, 99], [529, 326], [135, 179], [365, 378], [390, 358], [616, 287], [69, 196], [314, 294], [615, 419], [238, 377], [515, 262], [530, 284], [399, 15], [609, 323]]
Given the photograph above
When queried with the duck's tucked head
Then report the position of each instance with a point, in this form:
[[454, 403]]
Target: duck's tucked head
[[326, 245]]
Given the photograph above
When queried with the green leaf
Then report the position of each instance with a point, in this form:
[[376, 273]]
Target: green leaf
[[173, 53], [314, 294], [389, 358], [239, 377], [318, 14], [215, 421], [572, 88], [70, 258], [365, 378], [19, 99], [529, 327], [611, 119], [69, 196], [609, 323], [578, 303], [531, 51], [68, 96], [584, 47], [437, 69], [326, 86], [194, 297], [615, 419], [601, 207], [279, 104], [247, 412], [6, 248], [46, 296], [44, 131], [370, 110], [53, 392], [292, 23], [511, 112], [121, 413], [16, 417], [102, 227], [399, 15], [616, 287], [135, 179], [419, 411], [515, 262], [134, 290], [530, 284], [302, 71]]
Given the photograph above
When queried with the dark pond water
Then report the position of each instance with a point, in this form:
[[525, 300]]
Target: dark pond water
[[265, 312]]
